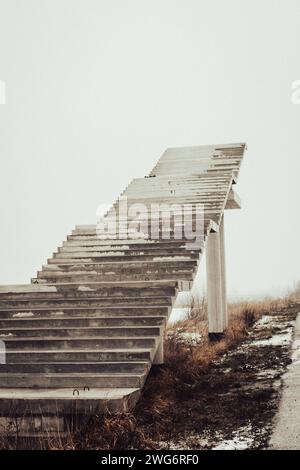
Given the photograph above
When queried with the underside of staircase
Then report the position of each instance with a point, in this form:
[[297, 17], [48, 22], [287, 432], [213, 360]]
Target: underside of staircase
[[81, 338]]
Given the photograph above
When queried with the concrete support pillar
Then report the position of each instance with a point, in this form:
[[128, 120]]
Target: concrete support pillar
[[159, 356], [216, 282], [223, 273]]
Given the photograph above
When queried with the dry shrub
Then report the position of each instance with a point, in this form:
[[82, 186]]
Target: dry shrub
[[191, 362], [115, 431]]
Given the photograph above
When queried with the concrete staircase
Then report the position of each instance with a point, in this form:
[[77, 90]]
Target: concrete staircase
[[81, 338]]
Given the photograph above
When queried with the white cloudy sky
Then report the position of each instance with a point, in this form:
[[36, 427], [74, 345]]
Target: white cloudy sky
[[97, 89]]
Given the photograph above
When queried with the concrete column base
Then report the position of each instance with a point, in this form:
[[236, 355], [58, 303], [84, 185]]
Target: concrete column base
[[215, 337]]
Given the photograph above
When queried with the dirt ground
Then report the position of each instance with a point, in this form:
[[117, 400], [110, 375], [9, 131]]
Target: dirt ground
[[234, 403]]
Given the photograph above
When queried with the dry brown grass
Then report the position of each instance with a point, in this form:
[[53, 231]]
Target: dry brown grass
[[242, 315]]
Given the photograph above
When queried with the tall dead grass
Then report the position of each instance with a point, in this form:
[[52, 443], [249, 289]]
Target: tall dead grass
[[192, 361]]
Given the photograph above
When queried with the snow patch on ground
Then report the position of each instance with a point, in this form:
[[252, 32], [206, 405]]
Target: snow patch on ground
[[264, 320], [186, 442], [241, 440], [275, 340], [189, 338]]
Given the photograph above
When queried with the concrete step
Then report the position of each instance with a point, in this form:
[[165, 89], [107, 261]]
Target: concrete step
[[90, 290], [169, 232], [63, 402], [86, 278], [77, 355], [193, 201], [63, 380], [93, 289], [124, 261], [88, 230], [75, 367], [128, 267], [97, 257], [125, 251], [93, 238], [85, 332], [127, 240], [51, 290], [56, 343], [79, 322], [199, 207], [170, 179], [97, 245], [120, 244], [126, 228], [99, 303], [87, 312], [207, 193], [161, 190], [167, 202]]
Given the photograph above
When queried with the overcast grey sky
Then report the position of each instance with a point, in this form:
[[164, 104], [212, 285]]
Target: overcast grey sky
[[97, 89]]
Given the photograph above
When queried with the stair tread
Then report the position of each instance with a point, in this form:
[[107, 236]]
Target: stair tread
[[78, 308], [84, 328], [62, 317], [98, 393], [67, 351], [72, 374], [19, 288], [7, 338], [78, 362]]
